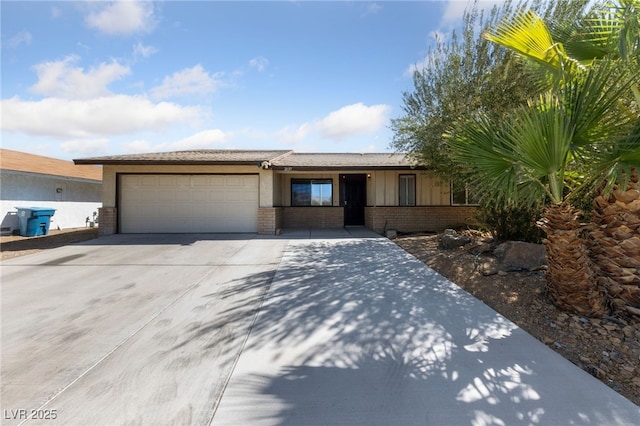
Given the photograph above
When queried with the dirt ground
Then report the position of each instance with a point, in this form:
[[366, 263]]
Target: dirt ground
[[15, 245], [607, 348]]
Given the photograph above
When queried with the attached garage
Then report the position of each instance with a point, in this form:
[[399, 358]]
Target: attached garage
[[179, 203]]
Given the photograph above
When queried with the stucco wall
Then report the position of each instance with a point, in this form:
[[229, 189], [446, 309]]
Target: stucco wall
[[73, 199]]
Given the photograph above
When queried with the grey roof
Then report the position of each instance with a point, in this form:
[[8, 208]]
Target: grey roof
[[204, 156], [278, 159], [312, 161]]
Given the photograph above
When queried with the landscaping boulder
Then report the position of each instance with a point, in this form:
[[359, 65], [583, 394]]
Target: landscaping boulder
[[521, 256], [451, 239]]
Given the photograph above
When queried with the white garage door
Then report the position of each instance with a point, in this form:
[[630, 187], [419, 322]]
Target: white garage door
[[188, 203]]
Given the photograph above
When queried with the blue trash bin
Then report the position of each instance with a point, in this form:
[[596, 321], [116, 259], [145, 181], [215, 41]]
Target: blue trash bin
[[34, 221]]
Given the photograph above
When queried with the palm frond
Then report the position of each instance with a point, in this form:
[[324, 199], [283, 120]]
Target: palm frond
[[592, 101], [613, 163], [541, 134], [528, 35], [482, 148]]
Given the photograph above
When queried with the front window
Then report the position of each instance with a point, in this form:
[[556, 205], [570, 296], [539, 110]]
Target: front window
[[311, 192], [461, 195], [407, 190]]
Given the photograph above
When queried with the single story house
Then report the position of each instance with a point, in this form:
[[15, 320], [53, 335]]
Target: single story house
[[264, 191], [29, 180]]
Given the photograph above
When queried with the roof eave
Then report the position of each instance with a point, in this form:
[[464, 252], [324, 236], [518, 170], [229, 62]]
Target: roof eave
[[166, 162], [358, 168]]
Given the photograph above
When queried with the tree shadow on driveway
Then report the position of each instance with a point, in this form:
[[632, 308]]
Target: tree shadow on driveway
[[360, 332]]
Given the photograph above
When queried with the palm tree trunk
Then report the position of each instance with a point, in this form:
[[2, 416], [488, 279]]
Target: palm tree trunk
[[615, 246], [571, 283]]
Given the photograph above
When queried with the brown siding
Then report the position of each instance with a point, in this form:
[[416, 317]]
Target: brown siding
[[313, 217], [411, 219]]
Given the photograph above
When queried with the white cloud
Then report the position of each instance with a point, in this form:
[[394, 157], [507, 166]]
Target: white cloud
[[188, 81], [372, 9], [259, 63], [62, 79], [23, 37], [350, 120], [55, 12], [205, 139], [86, 146], [294, 134], [454, 10], [122, 17], [452, 17], [137, 146], [142, 51], [109, 115]]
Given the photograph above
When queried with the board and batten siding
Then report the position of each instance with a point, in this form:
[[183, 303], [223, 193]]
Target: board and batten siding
[[430, 190], [382, 187]]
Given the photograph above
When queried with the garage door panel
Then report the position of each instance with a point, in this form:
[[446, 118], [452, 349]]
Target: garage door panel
[[148, 181], [147, 195], [189, 203]]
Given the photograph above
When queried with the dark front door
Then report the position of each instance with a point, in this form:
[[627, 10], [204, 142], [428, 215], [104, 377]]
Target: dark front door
[[353, 197]]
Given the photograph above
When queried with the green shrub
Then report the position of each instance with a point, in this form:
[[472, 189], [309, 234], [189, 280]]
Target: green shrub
[[511, 223]]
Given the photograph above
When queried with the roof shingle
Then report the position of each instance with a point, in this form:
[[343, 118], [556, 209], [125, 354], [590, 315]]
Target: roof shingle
[[31, 163], [205, 156], [278, 159]]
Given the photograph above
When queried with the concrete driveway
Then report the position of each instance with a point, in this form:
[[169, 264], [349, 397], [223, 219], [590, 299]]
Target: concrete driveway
[[349, 330], [129, 329]]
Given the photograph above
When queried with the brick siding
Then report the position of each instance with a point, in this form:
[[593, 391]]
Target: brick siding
[[269, 220], [412, 219], [108, 218], [313, 217]]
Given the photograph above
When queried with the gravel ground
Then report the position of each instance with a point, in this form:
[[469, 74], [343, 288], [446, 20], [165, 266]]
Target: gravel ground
[[15, 245]]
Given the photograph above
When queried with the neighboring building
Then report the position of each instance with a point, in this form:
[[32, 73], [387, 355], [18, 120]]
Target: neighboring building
[[263, 191], [28, 180]]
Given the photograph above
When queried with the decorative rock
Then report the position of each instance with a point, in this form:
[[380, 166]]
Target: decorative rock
[[391, 234], [600, 374], [519, 256], [451, 239], [481, 248], [629, 368], [488, 267]]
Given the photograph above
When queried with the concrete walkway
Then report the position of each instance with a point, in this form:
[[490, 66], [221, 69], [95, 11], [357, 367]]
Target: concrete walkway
[[358, 332], [313, 327]]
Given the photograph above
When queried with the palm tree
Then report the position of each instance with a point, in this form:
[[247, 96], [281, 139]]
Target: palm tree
[[581, 133]]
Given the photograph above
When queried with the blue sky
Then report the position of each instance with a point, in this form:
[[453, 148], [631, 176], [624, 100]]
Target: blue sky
[[95, 78]]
